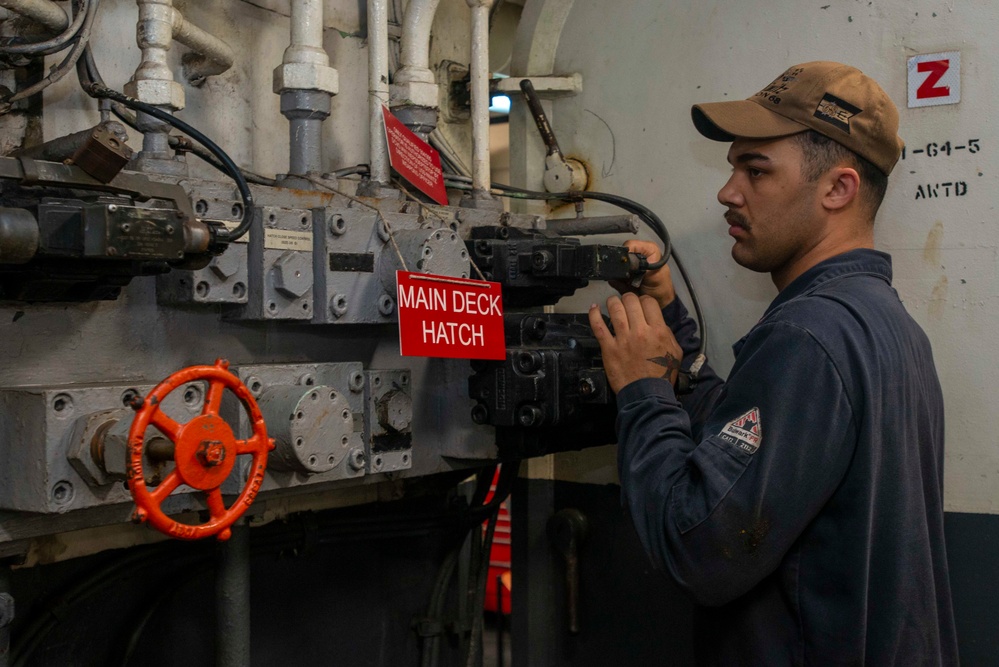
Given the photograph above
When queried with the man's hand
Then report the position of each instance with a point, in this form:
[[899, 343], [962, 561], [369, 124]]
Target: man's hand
[[642, 346], [658, 283]]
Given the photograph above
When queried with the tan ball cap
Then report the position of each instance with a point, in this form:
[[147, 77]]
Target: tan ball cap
[[833, 99]]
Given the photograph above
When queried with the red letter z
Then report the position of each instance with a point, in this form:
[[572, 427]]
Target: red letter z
[[928, 89]]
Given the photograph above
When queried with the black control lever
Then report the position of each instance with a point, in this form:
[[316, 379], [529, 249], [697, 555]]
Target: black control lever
[[540, 119]]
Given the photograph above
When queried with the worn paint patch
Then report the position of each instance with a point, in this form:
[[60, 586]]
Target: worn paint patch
[[938, 298], [931, 249]]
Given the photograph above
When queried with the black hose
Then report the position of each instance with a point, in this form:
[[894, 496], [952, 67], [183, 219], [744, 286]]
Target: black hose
[[221, 235], [54, 44]]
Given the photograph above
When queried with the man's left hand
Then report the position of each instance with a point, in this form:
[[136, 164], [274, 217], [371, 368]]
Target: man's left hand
[[642, 346]]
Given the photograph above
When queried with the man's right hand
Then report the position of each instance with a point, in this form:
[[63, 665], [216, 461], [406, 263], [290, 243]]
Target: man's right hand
[[657, 283]]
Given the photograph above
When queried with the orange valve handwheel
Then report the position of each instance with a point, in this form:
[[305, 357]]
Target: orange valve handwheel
[[205, 451]]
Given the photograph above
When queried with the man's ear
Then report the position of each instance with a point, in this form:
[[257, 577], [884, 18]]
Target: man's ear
[[842, 187]]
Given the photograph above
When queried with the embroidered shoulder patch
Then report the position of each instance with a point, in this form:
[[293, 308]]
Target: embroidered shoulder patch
[[744, 432]]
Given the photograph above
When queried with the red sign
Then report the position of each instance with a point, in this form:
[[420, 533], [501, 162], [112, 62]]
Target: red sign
[[454, 318], [414, 159]]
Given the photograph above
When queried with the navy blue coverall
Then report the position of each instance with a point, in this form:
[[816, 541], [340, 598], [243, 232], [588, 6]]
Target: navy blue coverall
[[800, 503]]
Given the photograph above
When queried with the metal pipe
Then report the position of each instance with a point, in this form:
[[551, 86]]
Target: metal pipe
[[416, 24], [479, 85], [306, 84], [608, 224], [46, 12], [209, 54], [306, 32], [232, 599], [378, 87], [305, 110]]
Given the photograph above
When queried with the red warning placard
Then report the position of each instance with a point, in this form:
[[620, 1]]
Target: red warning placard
[[454, 318], [414, 159]]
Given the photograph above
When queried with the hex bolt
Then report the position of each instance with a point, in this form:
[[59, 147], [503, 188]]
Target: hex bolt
[[480, 414], [535, 328], [529, 415], [528, 362], [395, 411], [355, 459], [62, 493], [386, 306], [337, 225], [211, 453], [63, 404], [338, 305], [254, 384]]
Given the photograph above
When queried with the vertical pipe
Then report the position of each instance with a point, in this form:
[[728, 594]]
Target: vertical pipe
[[415, 44], [307, 23], [378, 87], [306, 84], [479, 71], [232, 599]]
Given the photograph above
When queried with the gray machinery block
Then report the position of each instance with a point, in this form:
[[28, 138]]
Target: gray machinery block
[[224, 280], [356, 259], [388, 416], [279, 266], [71, 441], [313, 412]]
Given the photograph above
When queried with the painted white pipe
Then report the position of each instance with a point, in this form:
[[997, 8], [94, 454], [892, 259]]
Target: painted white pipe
[[306, 34], [46, 12], [378, 87], [211, 55], [159, 24], [416, 25], [480, 75]]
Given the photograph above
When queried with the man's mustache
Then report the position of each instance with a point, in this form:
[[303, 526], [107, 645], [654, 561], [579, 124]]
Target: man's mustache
[[737, 219]]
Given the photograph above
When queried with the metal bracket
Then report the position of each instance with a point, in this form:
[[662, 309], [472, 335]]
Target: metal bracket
[[549, 86]]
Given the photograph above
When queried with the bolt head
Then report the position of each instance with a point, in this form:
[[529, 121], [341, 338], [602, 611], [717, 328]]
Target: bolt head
[[395, 411], [293, 274], [211, 453]]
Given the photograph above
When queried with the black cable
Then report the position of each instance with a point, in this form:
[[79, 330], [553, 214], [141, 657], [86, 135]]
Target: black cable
[[221, 235], [60, 70], [54, 44]]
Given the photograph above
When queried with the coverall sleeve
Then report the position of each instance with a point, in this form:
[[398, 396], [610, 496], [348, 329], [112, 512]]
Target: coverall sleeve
[[702, 399], [720, 512]]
